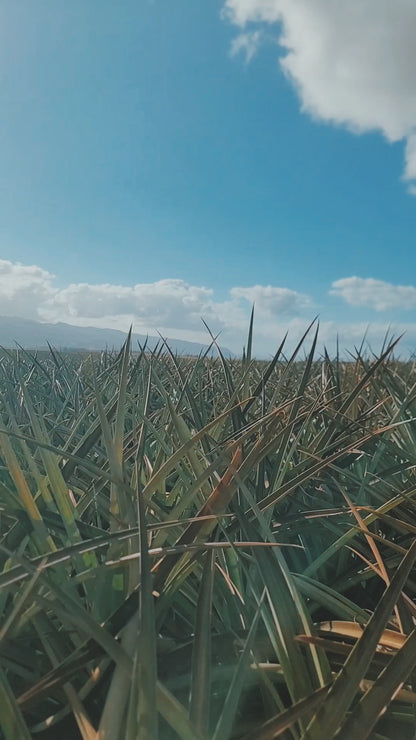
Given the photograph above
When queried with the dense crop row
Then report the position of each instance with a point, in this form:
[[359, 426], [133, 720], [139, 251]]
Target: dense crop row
[[207, 548]]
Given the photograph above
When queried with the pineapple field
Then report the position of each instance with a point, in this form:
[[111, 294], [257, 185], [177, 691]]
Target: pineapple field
[[207, 548]]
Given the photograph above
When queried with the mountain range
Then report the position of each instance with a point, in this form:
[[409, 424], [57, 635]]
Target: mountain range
[[31, 334]]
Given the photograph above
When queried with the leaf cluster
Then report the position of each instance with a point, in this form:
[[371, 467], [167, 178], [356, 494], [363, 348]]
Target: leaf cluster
[[207, 547]]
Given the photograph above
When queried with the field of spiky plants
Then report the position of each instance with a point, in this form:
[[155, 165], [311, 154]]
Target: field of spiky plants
[[207, 548]]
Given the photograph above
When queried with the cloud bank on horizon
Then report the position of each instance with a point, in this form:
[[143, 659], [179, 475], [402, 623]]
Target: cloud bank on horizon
[[351, 63], [176, 308]]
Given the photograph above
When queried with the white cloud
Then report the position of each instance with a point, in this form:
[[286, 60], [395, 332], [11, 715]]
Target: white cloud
[[175, 308], [410, 158], [166, 303], [348, 335], [246, 43], [23, 288], [351, 62], [352, 334], [375, 294], [273, 300]]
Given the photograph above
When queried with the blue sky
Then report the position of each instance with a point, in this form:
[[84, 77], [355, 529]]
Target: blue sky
[[167, 160]]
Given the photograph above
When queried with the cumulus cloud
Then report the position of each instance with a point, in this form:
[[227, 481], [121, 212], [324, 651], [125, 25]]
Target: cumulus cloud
[[23, 289], [376, 294], [166, 303], [171, 306], [175, 308], [273, 300], [352, 63], [168, 306]]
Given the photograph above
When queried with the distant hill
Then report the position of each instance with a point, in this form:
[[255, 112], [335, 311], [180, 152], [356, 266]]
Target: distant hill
[[36, 335]]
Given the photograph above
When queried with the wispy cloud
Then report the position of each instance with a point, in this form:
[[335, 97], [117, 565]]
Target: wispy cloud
[[352, 63], [375, 294], [410, 162], [247, 44]]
